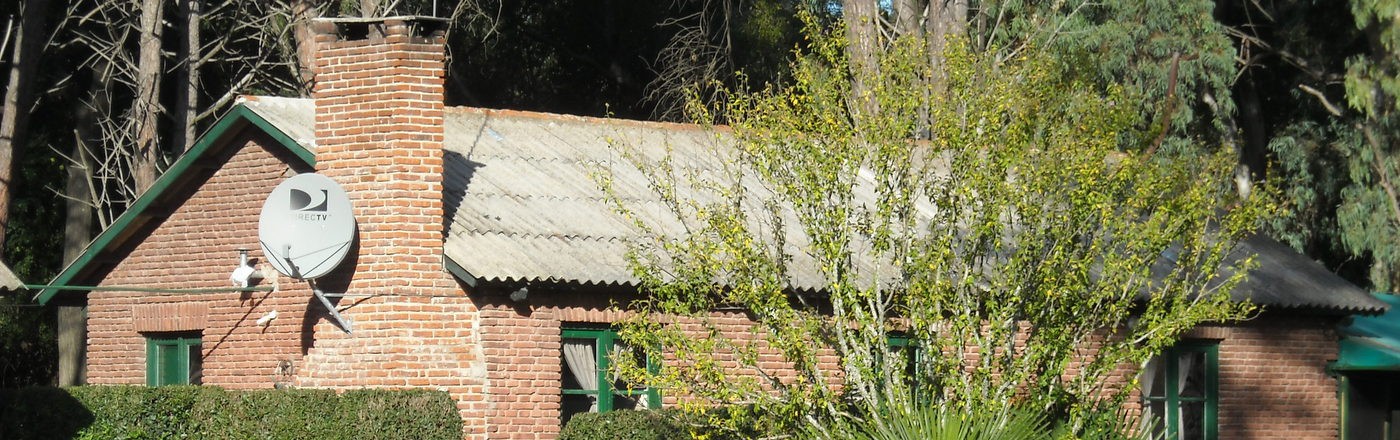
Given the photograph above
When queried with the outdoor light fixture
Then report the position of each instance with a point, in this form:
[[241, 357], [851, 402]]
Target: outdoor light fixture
[[244, 274]]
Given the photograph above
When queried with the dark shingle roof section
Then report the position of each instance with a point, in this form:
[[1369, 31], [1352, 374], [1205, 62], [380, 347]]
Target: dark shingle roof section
[[1286, 279]]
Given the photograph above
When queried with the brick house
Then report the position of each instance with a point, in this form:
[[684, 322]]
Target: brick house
[[486, 262]]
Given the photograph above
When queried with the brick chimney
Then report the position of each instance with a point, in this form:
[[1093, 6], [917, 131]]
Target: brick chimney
[[379, 133]]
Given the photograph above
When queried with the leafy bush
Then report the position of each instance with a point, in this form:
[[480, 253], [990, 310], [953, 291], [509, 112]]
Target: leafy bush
[[130, 412], [735, 422], [937, 422], [999, 422], [625, 425]]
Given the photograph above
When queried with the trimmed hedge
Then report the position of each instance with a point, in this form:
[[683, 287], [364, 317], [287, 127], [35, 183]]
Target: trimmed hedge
[[625, 425], [666, 424], [134, 412]]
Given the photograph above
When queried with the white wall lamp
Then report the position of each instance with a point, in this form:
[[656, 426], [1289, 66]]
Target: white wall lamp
[[244, 274]]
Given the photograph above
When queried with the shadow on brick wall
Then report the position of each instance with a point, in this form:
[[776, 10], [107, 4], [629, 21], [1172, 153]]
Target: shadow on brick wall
[[335, 282]]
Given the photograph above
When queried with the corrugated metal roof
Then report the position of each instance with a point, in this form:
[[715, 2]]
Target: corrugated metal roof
[[1285, 278], [523, 191], [524, 204], [295, 117]]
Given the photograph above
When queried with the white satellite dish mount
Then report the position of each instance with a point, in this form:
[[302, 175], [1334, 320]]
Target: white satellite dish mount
[[306, 229]]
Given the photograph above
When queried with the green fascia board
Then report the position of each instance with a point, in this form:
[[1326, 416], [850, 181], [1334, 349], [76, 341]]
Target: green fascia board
[[458, 271], [1371, 343], [213, 141]]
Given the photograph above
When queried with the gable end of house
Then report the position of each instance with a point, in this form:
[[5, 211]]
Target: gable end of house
[[167, 188]]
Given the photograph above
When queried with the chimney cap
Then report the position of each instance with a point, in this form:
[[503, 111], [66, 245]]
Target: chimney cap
[[348, 20], [359, 28]]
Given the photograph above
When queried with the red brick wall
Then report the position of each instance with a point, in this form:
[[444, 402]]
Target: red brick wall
[[523, 372], [522, 344], [195, 247], [379, 129], [379, 133], [507, 378], [1273, 382]]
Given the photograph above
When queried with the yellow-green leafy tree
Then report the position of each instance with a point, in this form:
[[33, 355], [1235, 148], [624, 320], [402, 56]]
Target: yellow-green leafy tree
[[1025, 259]]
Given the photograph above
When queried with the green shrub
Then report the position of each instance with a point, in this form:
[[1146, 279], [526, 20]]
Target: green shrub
[[133, 412], [410, 414], [978, 422], [941, 423], [625, 425]]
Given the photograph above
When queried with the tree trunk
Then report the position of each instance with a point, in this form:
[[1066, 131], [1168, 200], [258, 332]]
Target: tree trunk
[[146, 107], [862, 48], [946, 18], [1255, 148], [72, 345], [303, 11], [369, 8], [907, 17], [187, 91], [78, 223], [18, 99]]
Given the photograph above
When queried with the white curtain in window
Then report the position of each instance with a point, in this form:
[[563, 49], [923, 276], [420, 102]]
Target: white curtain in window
[[1183, 370], [1148, 374], [583, 364], [1147, 378], [1184, 363]]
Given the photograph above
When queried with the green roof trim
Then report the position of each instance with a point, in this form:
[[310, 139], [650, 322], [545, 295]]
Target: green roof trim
[[240, 117], [1371, 343]]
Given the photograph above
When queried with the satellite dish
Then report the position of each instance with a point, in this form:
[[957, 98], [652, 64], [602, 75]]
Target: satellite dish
[[306, 226]]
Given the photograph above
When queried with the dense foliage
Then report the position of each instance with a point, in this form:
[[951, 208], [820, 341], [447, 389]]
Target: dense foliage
[[625, 425], [123, 412], [995, 422], [1018, 242], [671, 423], [1370, 213]]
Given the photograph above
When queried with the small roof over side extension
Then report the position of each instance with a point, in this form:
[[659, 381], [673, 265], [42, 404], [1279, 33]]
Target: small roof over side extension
[[1371, 343], [8, 280]]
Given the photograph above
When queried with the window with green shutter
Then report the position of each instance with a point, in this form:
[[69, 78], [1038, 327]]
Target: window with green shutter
[[173, 359], [1181, 391], [590, 383]]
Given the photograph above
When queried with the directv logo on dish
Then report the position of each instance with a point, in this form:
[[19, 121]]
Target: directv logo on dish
[[305, 204]]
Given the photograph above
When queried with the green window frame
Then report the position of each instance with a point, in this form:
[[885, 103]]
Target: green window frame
[[912, 352], [174, 359], [603, 341], [904, 345], [1187, 410]]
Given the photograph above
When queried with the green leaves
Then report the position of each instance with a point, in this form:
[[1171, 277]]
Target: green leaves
[[1369, 217], [1021, 252]]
